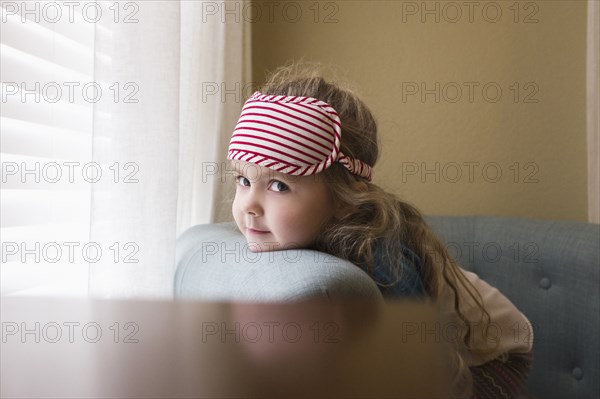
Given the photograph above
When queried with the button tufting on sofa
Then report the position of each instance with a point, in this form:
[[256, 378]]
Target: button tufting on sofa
[[565, 321], [545, 283]]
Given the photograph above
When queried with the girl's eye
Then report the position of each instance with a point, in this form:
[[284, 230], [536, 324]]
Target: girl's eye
[[279, 186], [241, 180]]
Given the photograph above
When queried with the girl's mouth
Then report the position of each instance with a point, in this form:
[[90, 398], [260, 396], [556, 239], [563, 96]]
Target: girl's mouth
[[253, 231]]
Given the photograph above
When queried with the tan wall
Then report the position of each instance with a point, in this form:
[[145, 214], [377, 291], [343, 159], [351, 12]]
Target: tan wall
[[536, 139]]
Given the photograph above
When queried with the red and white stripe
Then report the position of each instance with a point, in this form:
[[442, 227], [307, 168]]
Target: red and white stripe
[[293, 135]]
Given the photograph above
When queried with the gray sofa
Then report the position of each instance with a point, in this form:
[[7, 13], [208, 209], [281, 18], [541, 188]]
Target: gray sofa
[[548, 269]]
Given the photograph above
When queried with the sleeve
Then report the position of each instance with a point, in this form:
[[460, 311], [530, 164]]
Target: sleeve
[[509, 330]]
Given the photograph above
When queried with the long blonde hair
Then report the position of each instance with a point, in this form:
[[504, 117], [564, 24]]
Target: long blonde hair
[[375, 215]]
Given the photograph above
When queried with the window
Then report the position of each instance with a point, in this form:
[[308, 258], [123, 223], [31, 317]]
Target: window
[[47, 70]]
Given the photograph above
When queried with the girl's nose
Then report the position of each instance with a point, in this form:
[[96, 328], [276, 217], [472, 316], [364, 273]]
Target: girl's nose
[[252, 205]]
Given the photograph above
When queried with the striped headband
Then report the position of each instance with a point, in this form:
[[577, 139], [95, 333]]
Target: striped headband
[[293, 135]]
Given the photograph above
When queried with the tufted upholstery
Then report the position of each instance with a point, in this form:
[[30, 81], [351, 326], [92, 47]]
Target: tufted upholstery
[[550, 271]]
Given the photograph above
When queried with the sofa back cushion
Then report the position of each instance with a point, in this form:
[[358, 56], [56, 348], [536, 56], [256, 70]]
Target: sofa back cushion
[[550, 271]]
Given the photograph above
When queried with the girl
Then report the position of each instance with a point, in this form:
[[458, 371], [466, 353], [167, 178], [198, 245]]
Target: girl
[[304, 151]]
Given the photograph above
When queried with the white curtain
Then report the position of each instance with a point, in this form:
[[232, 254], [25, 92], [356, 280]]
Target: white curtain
[[163, 136]]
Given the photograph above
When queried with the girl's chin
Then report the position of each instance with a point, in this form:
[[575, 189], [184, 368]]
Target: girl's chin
[[268, 245], [255, 246]]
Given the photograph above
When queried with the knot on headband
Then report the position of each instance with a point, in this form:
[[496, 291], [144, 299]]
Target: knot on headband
[[293, 135]]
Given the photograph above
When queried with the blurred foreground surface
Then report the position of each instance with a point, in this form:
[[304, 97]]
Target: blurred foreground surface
[[55, 348]]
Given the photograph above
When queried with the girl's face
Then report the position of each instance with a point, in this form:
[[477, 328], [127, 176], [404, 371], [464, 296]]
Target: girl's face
[[275, 211]]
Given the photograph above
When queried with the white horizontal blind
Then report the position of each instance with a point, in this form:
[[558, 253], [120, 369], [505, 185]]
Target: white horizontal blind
[[48, 92]]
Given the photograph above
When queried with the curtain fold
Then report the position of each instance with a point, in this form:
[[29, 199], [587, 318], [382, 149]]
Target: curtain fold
[[215, 82], [161, 137]]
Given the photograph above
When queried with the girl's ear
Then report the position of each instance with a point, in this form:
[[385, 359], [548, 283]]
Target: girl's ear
[[344, 210], [360, 186]]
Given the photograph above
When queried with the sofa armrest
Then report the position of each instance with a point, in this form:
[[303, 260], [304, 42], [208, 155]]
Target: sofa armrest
[[215, 263]]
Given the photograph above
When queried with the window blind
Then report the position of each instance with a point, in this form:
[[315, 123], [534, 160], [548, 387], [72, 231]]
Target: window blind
[[47, 75]]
